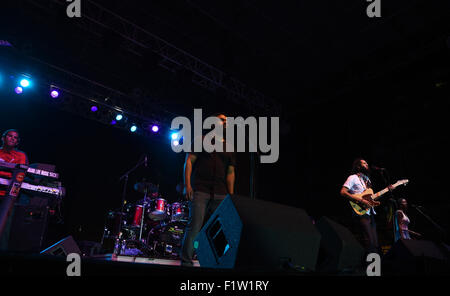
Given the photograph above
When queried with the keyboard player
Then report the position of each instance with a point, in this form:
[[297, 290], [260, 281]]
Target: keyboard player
[[10, 153]]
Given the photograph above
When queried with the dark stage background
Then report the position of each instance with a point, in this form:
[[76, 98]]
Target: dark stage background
[[349, 87], [315, 158]]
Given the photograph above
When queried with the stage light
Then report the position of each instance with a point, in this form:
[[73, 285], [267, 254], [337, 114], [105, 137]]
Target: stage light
[[94, 108], [113, 122], [54, 93], [155, 128], [119, 117], [18, 90], [174, 136], [175, 143], [24, 83], [133, 128]]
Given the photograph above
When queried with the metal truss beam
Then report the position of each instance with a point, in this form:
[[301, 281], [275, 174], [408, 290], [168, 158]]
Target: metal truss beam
[[97, 19]]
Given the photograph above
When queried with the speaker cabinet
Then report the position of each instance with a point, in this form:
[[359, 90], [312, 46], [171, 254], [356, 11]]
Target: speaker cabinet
[[63, 248], [248, 233], [339, 249], [28, 228], [416, 257]]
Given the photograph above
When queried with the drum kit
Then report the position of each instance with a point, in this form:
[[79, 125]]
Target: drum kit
[[150, 227]]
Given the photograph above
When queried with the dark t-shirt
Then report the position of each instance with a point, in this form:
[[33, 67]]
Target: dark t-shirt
[[209, 173]]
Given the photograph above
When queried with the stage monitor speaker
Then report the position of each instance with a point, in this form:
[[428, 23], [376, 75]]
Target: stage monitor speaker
[[416, 257], [248, 233], [64, 247], [339, 249], [29, 227]]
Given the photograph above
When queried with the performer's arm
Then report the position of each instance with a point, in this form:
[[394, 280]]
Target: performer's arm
[[354, 198], [230, 179], [188, 164], [399, 218]]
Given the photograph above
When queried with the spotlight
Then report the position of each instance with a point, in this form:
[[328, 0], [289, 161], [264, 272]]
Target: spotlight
[[175, 143], [94, 108], [133, 128], [119, 117], [155, 128], [24, 83], [113, 122], [174, 136], [18, 90], [54, 94]]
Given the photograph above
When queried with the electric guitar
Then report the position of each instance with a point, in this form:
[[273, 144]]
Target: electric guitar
[[368, 194]]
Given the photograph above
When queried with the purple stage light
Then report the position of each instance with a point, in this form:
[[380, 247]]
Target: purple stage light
[[54, 94], [94, 108], [155, 128], [18, 90], [113, 122]]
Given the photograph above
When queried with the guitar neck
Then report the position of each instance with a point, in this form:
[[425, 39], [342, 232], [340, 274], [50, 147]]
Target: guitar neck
[[380, 193]]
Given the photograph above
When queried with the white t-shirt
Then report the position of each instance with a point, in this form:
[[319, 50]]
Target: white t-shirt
[[357, 184]]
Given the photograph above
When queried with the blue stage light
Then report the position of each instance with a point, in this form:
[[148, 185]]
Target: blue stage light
[[24, 83]]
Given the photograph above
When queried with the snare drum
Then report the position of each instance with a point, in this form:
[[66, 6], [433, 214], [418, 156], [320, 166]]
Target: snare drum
[[159, 209]]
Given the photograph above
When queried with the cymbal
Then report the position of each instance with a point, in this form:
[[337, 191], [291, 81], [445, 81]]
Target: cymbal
[[145, 187]]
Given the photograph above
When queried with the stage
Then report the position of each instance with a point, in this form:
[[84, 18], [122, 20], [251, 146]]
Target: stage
[[332, 116]]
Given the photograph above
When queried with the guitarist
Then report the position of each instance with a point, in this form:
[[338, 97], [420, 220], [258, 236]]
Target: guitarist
[[355, 184]]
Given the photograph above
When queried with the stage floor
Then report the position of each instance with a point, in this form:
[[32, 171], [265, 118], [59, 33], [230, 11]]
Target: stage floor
[[144, 260]]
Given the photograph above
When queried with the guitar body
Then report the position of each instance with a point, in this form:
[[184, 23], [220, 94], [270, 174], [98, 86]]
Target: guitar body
[[369, 195], [359, 209]]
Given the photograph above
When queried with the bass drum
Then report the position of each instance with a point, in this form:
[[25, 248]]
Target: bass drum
[[166, 239]]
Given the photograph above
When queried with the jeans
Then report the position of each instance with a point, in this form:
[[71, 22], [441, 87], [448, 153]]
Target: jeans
[[200, 208], [369, 231]]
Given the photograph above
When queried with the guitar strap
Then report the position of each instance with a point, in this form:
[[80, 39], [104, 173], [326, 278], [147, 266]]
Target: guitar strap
[[365, 180]]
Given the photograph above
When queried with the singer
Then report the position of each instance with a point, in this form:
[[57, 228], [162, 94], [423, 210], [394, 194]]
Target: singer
[[401, 222], [212, 179]]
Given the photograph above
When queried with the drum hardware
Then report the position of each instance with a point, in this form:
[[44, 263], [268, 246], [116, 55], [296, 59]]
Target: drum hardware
[[148, 227], [142, 161]]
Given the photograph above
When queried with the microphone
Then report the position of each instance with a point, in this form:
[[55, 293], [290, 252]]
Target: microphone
[[377, 168]]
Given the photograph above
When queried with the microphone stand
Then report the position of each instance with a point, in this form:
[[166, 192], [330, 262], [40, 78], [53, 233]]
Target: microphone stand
[[387, 182], [442, 231], [124, 192]]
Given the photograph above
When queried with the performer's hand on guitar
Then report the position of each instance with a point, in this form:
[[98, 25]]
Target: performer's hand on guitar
[[188, 192], [368, 202]]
